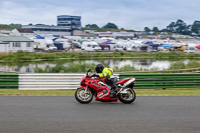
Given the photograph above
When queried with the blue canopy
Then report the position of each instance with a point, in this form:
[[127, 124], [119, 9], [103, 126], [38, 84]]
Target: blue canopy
[[153, 45], [166, 46], [39, 37]]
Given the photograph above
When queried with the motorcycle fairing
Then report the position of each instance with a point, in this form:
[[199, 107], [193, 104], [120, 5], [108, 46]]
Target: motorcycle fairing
[[99, 85], [123, 81]]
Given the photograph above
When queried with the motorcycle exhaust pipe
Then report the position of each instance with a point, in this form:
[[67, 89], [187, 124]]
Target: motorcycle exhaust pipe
[[126, 84]]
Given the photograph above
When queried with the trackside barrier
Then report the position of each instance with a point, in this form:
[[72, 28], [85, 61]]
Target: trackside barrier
[[163, 80], [50, 81], [59, 81], [8, 81]]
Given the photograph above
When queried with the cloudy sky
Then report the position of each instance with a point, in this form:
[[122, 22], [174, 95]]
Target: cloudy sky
[[128, 14]]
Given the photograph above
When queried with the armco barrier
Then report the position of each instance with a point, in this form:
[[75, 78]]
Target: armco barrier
[[53, 81], [50, 81], [8, 81], [163, 80]]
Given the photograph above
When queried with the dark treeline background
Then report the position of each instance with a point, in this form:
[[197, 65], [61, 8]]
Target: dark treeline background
[[174, 27]]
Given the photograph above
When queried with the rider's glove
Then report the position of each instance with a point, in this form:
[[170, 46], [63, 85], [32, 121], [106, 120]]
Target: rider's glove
[[94, 75]]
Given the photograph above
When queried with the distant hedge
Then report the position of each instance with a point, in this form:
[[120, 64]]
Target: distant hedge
[[26, 56]]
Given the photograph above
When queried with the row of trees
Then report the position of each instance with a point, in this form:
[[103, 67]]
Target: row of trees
[[174, 27], [179, 27], [10, 26], [107, 26]]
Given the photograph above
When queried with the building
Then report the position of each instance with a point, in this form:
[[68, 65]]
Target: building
[[47, 29], [22, 32], [15, 43], [78, 33], [73, 21], [65, 26], [121, 34], [4, 32]]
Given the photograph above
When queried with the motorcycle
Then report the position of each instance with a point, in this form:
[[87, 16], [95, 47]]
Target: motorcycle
[[97, 87]]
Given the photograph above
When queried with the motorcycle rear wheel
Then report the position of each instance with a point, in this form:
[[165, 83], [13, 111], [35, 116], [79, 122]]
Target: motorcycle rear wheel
[[83, 97], [128, 98]]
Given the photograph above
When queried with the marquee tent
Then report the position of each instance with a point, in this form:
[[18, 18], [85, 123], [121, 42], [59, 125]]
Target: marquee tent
[[39, 37], [166, 46], [104, 45]]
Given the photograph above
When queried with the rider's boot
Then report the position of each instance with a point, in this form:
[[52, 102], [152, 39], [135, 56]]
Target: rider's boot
[[116, 88], [113, 91]]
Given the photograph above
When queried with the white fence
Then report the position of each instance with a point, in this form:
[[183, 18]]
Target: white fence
[[50, 81]]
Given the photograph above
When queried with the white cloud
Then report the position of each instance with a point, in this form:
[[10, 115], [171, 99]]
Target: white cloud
[[135, 14], [16, 13]]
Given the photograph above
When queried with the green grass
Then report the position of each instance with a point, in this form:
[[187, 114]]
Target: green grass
[[170, 91], [36, 92], [83, 67], [72, 68], [26, 56], [182, 65]]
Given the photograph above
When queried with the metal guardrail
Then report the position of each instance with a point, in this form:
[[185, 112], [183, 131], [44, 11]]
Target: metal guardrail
[[8, 81], [163, 80], [59, 81], [193, 70], [50, 81]]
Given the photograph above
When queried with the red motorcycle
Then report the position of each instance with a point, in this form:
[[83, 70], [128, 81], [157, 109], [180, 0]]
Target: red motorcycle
[[97, 87]]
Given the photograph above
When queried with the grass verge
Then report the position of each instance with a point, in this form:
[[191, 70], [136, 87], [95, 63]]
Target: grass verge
[[26, 56], [170, 91]]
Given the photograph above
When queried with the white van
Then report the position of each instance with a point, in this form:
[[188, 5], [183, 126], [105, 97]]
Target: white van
[[119, 46], [44, 44], [50, 45], [90, 46]]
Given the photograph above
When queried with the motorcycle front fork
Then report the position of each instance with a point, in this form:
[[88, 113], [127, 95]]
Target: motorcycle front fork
[[86, 90]]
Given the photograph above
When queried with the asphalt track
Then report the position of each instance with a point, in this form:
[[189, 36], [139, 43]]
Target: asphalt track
[[63, 114]]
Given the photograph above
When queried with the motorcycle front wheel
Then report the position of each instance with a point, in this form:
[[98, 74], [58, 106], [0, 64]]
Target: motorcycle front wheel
[[128, 98], [83, 97]]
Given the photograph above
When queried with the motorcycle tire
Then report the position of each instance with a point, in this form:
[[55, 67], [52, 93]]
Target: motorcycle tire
[[79, 97], [128, 101]]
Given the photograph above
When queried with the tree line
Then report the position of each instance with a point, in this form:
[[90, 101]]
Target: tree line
[[174, 27], [179, 27], [107, 26], [10, 26]]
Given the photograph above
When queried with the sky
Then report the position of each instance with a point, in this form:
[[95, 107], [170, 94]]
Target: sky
[[128, 14]]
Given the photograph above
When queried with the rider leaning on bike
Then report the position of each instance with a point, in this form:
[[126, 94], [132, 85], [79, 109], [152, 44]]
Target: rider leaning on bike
[[106, 73]]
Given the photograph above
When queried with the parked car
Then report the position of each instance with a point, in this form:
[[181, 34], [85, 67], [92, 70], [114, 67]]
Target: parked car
[[118, 47], [190, 50], [76, 45], [50, 48]]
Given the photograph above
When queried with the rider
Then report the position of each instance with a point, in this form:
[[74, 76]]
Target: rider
[[106, 73]]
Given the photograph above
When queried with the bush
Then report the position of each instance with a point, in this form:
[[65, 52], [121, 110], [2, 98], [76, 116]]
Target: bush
[[72, 68], [20, 55]]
